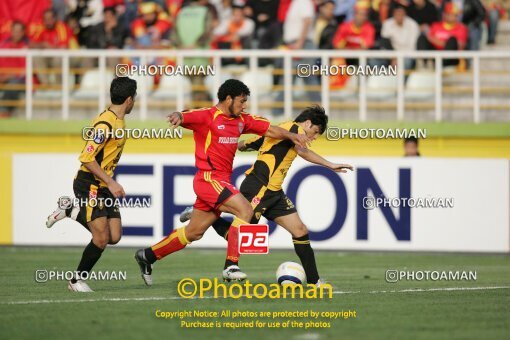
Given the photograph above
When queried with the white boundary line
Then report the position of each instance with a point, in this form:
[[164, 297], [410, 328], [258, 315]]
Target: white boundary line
[[162, 298]]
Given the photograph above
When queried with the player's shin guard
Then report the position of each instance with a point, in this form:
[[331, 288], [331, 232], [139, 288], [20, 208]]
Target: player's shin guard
[[221, 226], [305, 253], [90, 256], [233, 243], [174, 242]]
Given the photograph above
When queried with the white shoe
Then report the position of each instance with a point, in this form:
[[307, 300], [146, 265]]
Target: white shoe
[[80, 286], [233, 273], [186, 214], [64, 203], [320, 283]]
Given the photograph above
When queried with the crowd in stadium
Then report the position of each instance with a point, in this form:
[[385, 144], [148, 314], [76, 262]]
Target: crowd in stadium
[[241, 24], [262, 24]]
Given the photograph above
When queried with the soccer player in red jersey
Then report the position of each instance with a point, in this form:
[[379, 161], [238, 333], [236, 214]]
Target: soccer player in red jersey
[[216, 131]]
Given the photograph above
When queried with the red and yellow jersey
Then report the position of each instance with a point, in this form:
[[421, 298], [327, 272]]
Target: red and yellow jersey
[[216, 135], [59, 36], [16, 65], [444, 31], [349, 36]]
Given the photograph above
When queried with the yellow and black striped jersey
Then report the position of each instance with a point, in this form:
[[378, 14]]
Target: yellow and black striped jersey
[[275, 157], [105, 147]]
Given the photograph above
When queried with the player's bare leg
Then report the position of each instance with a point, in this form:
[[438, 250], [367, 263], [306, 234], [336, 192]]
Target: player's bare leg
[[177, 240], [115, 229], [100, 238], [243, 212], [293, 224]]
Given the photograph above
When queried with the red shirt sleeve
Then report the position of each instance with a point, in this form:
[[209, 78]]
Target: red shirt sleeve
[[462, 36], [255, 124], [194, 119], [339, 39], [368, 35]]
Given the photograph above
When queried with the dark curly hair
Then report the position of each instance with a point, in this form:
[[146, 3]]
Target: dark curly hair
[[232, 88], [122, 88], [316, 115]]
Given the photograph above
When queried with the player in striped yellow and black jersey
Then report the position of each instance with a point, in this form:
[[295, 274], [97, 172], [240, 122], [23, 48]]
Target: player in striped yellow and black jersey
[[94, 186], [263, 183]]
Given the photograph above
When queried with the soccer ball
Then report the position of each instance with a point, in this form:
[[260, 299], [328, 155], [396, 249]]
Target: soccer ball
[[290, 273]]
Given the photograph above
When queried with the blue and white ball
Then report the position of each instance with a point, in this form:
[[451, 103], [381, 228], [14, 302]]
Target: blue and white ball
[[290, 273]]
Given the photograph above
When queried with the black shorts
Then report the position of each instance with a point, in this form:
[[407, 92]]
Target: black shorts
[[268, 203], [86, 191]]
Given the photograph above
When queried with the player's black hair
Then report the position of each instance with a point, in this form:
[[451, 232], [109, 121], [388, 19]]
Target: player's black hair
[[122, 88], [110, 9], [232, 88], [398, 5], [411, 140], [316, 115]]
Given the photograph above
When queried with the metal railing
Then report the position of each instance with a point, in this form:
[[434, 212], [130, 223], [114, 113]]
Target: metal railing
[[253, 57]]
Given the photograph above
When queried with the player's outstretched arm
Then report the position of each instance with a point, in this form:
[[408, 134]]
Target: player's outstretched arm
[[115, 188], [277, 132], [175, 118], [315, 158], [241, 146], [251, 144]]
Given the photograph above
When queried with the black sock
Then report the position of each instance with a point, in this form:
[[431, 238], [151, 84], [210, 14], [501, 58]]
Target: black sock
[[149, 255], [305, 253], [91, 254], [229, 263], [221, 226]]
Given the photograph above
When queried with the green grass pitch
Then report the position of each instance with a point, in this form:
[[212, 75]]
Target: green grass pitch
[[126, 309]]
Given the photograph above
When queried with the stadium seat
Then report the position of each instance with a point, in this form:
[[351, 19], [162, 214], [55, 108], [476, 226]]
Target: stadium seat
[[147, 80], [420, 86], [349, 91], [53, 93], [89, 84], [262, 80], [168, 85], [381, 87]]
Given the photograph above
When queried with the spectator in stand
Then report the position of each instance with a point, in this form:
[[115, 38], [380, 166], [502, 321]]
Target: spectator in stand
[[193, 30], [12, 70], [89, 12], [494, 9], [297, 35], [358, 34], [84, 14], [449, 34], [425, 13], [379, 12], [472, 15], [52, 34], [325, 25], [223, 9], [265, 15], [234, 34], [400, 33], [108, 34], [344, 10], [151, 30]]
